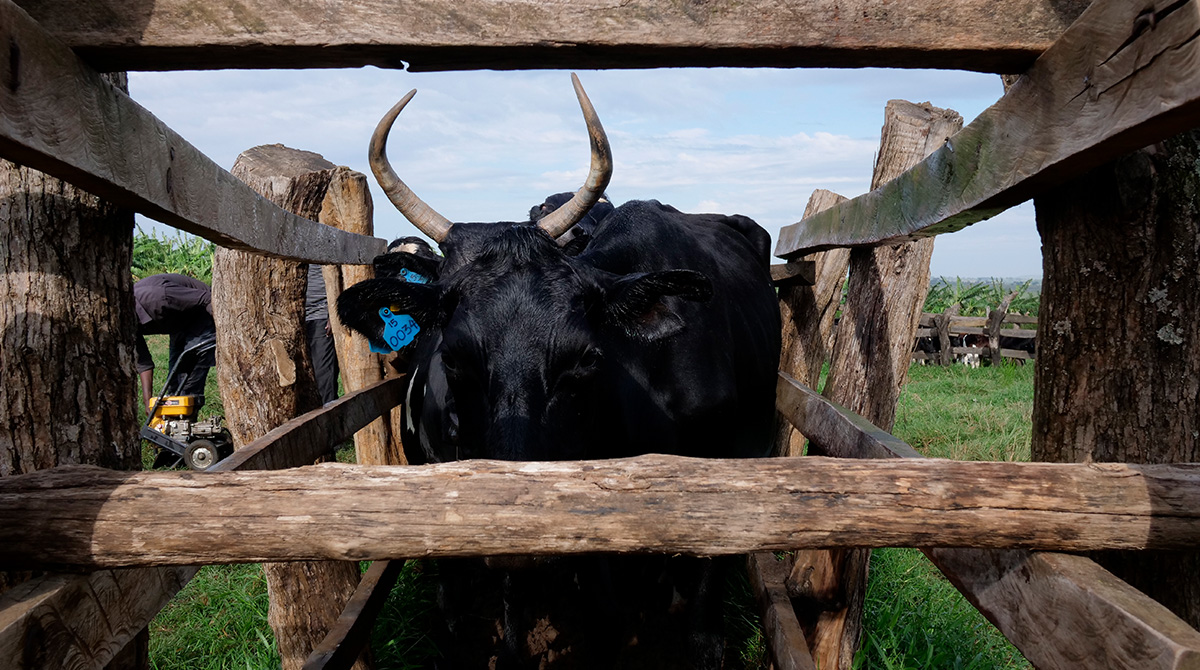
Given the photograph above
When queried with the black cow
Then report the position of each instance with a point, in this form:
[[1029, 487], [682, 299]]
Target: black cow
[[661, 335]]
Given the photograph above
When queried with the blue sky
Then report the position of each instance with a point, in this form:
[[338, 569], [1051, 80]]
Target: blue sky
[[486, 146]]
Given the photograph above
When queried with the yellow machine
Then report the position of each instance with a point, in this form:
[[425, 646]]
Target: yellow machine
[[171, 424]]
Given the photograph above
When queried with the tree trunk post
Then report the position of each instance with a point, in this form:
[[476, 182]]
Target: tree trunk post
[[1118, 362], [266, 378], [994, 323], [67, 330], [348, 206], [807, 313], [873, 347], [942, 323]]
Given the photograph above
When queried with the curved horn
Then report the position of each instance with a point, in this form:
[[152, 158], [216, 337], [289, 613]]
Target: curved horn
[[413, 208], [560, 220]]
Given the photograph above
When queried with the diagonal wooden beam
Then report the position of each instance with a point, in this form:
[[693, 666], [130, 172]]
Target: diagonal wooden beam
[[985, 35], [1060, 611], [1124, 75], [79, 621], [59, 116]]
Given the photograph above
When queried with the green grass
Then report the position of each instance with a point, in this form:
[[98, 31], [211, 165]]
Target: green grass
[[913, 617]]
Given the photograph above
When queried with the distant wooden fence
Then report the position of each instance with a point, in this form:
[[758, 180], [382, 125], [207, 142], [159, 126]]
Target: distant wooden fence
[[946, 327]]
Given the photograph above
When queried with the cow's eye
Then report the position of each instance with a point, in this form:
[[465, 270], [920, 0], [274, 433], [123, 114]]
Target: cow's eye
[[590, 359], [449, 364]]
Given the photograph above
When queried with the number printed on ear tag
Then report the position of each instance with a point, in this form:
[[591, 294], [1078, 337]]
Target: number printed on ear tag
[[412, 277], [399, 330]]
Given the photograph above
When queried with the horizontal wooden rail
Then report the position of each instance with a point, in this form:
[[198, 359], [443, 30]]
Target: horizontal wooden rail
[[84, 517], [80, 621], [59, 116], [1124, 75], [1061, 611], [985, 35]]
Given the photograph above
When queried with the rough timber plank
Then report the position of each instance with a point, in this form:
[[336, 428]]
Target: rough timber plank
[[1060, 611], [785, 637], [1124, 75], [59, 116], [985, 35], [85, 517], [51, 622]]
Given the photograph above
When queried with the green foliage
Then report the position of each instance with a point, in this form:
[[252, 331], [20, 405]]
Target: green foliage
[[977, 297], [181, 253]]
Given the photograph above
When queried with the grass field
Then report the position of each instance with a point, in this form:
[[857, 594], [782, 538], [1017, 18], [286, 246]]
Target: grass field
[[914, 618]]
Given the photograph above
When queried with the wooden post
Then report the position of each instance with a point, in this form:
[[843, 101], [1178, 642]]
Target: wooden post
[[67, 329], [266, 378], [994, 323], [807, 313], [942, 323], [348, 206], [873, 348], [1118, 361]]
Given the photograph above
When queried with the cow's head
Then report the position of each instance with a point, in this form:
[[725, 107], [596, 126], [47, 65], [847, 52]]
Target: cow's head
[[518, 337]]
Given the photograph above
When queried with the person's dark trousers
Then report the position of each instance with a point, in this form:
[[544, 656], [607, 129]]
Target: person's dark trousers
[[192, 374], [324, 358]]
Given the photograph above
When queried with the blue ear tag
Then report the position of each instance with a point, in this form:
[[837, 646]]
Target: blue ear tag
[[412, 277], [399, 330]]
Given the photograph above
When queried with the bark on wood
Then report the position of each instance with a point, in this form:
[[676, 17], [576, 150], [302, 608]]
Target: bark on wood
[[350, 635], [785, 638], [1122, 76], [1118, 367], [348, 206], [984, 35], [89, 517], [885, 293], [58, 115], [66, 339], [266, 378], [1027, 595], [807, 313]]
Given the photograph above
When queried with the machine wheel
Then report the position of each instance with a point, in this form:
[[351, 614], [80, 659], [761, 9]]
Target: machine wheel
[[201, 455]]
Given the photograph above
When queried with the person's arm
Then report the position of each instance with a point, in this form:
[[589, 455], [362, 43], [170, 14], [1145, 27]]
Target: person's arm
[[145, 369], [147, 387]]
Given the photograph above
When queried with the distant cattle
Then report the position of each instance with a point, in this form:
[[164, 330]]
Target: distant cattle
[[657, 332]]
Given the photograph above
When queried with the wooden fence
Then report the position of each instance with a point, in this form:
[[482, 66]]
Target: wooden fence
[[1082, 101], [948, 327]]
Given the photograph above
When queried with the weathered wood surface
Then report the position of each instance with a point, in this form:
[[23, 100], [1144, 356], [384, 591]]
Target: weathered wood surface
[[794, 273], [59, 116], [267, 378], [1122, 76], [88, 517], [885, 291], [81, 621], [984, 35], [1061, 612], [807, 314], [785, 637], [348, 206], [349, 636], [1119, 326], [308, 437], [843, 433]]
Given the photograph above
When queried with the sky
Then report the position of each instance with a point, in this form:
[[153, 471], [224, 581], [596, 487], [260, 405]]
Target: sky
[[488, 145]]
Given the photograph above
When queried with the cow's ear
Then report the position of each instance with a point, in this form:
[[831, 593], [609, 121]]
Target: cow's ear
[[636, 304], [403, 264], [358, 306]]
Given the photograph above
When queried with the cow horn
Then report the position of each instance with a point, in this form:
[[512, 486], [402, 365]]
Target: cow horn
[[560, 220], [424, 217]]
